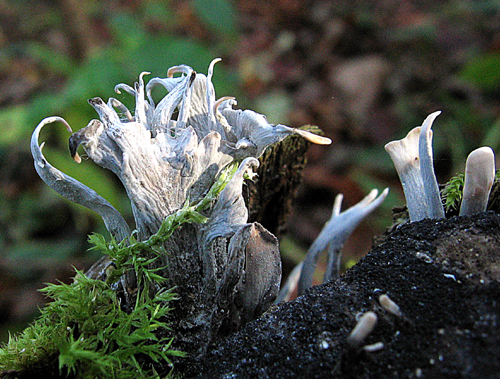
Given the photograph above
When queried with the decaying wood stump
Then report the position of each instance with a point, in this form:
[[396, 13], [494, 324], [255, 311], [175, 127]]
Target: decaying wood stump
[[226, 271], [444, 277]]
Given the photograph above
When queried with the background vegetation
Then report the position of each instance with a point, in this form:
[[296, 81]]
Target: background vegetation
[[365, 72]]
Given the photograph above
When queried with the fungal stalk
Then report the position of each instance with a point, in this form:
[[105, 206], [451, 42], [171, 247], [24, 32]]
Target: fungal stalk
[[73, 190], [404, 154], [363, 328], [479, 177], [434, 206], [389, 305], [333, 236], [412, 158]]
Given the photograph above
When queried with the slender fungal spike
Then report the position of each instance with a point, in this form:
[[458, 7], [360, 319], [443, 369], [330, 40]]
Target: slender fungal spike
[[389, 305], [363, 328], [435, 208], [479, 177]]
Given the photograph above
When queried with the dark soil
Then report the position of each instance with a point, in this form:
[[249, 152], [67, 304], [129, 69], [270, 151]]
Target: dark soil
[[444, 275]]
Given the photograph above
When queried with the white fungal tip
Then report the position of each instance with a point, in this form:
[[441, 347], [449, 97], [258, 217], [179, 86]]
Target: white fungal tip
[[404, 152], [479, 177], [337, 204], [77, 158], [363, 328], [374, 347], [389, 305], [314, 138]]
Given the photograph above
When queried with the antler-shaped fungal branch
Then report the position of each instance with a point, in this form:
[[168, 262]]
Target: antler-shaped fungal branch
[[479, 177], [412, 157], [333, 236], [72, 189]]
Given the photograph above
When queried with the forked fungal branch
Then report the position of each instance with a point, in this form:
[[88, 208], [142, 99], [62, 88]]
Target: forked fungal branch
[[332, 238], [412, 158]]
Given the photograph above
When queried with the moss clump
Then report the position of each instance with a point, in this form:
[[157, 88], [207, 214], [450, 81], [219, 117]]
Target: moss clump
[[452, 193], [85, 333]]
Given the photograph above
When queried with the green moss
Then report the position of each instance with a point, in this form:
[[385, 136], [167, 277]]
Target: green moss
[[452, 193], [453, 190], [85, 333]]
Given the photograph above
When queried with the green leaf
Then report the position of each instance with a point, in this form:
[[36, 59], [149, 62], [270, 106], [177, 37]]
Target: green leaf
[[128, 31]]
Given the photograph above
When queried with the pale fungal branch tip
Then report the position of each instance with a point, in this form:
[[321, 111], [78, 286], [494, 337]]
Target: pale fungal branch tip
[[412, 158], [374, 347], [333, 236], [479, 178], [363, 328], [314, 138], [389, 305]]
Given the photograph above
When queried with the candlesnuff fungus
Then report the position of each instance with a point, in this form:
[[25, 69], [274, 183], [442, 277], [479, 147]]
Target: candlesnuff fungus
[[363, 328], [168, 154], [479, 177], [333, 236], [389, 305], [412, 157]]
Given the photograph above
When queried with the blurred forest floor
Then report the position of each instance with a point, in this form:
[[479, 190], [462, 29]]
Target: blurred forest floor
[[365, 72]]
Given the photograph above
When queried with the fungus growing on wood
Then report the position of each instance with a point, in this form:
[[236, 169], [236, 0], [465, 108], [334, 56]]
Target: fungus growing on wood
[[412, 158], [479, 177], [333, 236], [363, 328], [168, 154], [389, 305]]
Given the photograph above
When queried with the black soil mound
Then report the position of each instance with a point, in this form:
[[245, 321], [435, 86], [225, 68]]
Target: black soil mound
[[444, 275]]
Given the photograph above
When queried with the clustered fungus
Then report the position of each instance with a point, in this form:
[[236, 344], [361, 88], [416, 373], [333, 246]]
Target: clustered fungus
[[412, 158], [168, 154]]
